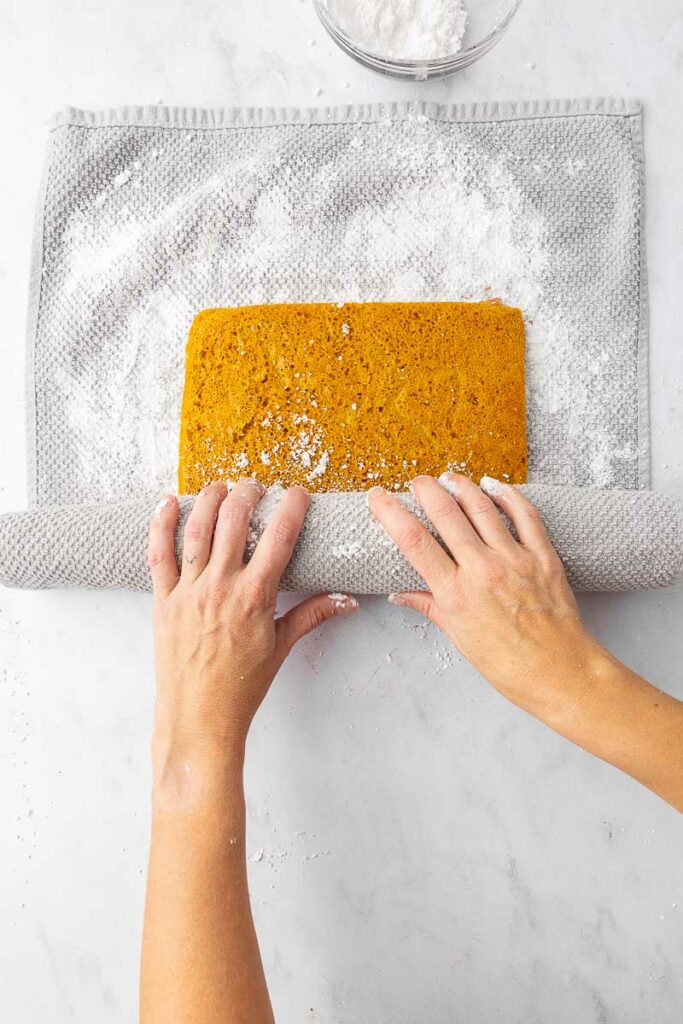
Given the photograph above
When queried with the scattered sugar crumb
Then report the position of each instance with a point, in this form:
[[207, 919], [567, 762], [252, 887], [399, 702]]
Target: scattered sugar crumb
[[122, 178], [321, 467], [343, 601]]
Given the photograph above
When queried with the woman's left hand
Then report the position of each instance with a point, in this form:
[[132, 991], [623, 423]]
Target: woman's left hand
[[218, 643]]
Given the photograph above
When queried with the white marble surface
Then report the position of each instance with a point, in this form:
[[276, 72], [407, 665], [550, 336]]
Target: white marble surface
[[430, 854]]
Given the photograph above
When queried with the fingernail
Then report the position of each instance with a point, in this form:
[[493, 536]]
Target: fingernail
[[374, 492], [343, 602], [494, 488], [448, 482], [253, 482], [214, 483], [396, 599]]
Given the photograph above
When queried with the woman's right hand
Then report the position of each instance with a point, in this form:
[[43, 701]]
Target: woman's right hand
[[507, 606], [503, 601]]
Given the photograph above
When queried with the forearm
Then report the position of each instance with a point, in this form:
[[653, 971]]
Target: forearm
[[218, 647], [601, 705], [201, 961]]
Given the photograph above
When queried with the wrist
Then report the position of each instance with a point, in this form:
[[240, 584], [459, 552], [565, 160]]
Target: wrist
[[204, 731], [191, 774], [559, 677]]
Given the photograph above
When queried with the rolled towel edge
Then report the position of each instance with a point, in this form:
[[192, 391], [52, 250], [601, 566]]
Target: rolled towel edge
[[608, 540]]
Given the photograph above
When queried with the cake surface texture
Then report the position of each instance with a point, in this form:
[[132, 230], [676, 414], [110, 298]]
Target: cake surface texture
[[347, 396]]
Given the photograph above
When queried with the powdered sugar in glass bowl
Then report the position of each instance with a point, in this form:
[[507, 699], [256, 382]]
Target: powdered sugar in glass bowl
[[418, 39]]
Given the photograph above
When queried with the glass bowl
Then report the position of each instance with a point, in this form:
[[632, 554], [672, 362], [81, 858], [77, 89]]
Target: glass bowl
[[487, 21]]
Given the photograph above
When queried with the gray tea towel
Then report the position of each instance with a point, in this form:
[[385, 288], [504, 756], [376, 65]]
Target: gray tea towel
[[150, 214], [607, 539]]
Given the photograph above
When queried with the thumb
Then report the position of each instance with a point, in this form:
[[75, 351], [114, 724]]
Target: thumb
[[309, 615], [419, 600]]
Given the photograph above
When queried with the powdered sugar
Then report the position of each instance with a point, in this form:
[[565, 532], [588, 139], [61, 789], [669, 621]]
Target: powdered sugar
[[403, 29], [448, 483], [122, 178], [489, 242], [343, 602], [408, 207], [320, 467], [165, 503], [494, 488]]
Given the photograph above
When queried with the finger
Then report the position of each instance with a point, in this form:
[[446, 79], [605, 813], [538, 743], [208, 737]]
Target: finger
[[413, 539], [277, 543], [445, 514], [232, 526], [309, 615], [199, 530], [419, 600], [481, 512], [525, 517], [161, 548]]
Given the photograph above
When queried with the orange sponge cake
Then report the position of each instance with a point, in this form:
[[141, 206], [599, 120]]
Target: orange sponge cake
[[343, 397]]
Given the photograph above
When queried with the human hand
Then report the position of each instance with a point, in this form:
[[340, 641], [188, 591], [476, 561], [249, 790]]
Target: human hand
[[217, 642], [505, 603]]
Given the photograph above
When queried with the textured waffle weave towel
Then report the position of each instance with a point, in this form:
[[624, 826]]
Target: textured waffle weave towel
[[150, 214], [608, 540]]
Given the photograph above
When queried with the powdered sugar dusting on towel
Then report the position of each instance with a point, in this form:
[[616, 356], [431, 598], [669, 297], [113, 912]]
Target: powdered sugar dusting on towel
[[400, 208]]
